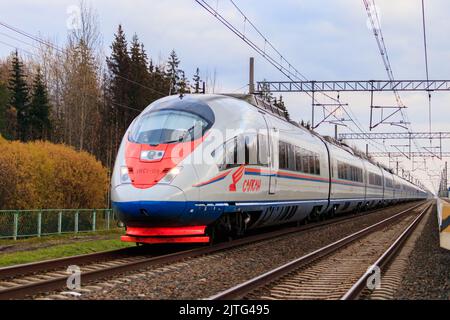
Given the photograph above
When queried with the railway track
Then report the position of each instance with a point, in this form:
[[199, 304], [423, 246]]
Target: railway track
[[32, 279], [337, 271]]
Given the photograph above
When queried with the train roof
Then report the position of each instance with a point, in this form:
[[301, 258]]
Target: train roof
[[262, 104]]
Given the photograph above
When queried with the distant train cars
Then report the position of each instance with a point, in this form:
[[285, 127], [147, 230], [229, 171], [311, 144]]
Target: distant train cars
[[201, 166]]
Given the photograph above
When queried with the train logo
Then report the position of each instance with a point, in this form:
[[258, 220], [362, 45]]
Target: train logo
[[236, 177]]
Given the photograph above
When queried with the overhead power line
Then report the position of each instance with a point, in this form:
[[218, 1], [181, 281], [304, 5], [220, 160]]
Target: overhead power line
[[33, 54], [426, 61], [17, 48], [378, 33], [275, 58], [63, 51]]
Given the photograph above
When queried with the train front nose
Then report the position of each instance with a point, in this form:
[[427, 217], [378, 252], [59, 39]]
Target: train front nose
[[165, 205]]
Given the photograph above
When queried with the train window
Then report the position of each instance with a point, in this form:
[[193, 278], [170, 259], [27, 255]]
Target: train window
[[317, 164], [389, 183], [243, 149], [312, 163], [294, 158], [282, 155], [251, 149], [298, 159], [291, 157], [349, 172], [263, 150], [168, 126], [375, 179], [305, 161], [240, 155], [231, 156]]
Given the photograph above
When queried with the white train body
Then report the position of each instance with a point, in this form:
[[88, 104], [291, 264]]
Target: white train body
[[247, 168]]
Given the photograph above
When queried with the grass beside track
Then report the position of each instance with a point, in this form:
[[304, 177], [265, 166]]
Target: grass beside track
[[53, 247]]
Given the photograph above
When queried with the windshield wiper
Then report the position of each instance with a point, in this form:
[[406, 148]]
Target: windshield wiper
[[172, 141]]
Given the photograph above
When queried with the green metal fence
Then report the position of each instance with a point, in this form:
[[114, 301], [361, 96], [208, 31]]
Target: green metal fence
[[35, 223]]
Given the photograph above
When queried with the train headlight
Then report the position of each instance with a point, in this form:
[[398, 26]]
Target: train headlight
[[152, 155], [124, 176], [168, 178]]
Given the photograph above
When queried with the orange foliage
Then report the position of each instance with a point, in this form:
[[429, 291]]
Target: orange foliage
[[41, 175]]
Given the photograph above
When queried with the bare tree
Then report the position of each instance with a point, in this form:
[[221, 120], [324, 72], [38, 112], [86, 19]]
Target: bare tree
[[82, 87]]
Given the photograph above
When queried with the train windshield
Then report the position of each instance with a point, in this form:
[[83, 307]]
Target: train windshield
[[168, 126]]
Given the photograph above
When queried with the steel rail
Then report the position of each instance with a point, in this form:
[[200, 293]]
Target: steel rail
[[58, 283], [355, 291], [50, 265], [242, 289]]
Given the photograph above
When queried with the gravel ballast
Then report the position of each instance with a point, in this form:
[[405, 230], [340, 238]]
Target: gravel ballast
[[205, 276], [428, 272]]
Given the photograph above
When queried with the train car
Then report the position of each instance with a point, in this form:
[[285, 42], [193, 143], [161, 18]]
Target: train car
[[348, 184], [196, 167], [389, 190], [374, 184]]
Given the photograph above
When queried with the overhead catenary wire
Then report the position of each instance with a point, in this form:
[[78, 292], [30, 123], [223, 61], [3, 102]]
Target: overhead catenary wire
[[378, 33], [425, 46], [17, 48], [34, 54], [63, 51], [279, 62], [384, 54]]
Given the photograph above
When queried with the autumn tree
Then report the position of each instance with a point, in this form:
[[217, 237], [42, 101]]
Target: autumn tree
[[82, 87], [4, 108]]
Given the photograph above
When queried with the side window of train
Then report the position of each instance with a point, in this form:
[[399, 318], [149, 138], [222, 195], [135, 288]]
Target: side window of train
[[291, 158], [282, 155], [389, 183], [375, 179], [256, 150], [298, 159], [349, 172], [244, 149], [263, 150]]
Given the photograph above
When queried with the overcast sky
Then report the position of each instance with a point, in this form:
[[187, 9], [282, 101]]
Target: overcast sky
[[324, 39]]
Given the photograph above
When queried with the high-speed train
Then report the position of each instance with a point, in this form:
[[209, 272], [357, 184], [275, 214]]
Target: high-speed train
[[193, 167]]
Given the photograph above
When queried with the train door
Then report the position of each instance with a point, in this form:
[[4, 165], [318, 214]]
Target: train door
[[273, 134]]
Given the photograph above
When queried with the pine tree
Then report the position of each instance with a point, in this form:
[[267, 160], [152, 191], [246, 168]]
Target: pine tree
[[266, 94], [39, 111], [282, 106], [160, 82], [19, 96], [183, 84], [118, 88], [197, 80], [139, 96], [173, 72]]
